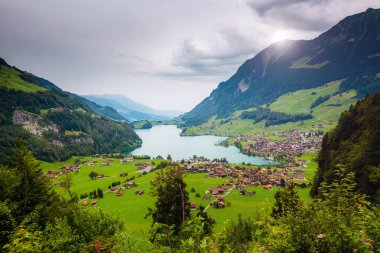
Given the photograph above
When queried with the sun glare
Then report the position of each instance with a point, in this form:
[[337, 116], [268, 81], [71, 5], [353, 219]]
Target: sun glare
[[279, 35]]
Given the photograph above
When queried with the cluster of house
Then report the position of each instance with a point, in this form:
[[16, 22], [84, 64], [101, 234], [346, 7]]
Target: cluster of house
[[144, 166], [126, 159], [120, 191], [104, 163], [54, 174], [296, 144], [267, 177]]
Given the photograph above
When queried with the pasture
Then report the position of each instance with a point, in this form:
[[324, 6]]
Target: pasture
[[132, 208]]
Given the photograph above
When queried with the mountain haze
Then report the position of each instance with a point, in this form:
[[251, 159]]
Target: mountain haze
[[349, 51], [130, 109]]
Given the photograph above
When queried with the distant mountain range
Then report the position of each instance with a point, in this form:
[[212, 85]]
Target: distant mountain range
[[132, 110], [349, 51]]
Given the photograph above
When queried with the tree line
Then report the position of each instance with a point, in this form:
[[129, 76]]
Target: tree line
[[273, 118]]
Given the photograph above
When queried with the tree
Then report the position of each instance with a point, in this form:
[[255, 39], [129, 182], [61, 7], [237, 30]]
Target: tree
[[239, 235], [287, 201], [100, 193], [33, 190], [93, 175], [169, 157], [172, 204], [208, 222], [25, 241], [66, 183], [7, 224], [338, 220]]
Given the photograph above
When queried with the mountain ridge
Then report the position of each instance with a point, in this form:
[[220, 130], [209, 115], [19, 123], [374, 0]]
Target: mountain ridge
[[130, 109], [56, 124], [349, 51]]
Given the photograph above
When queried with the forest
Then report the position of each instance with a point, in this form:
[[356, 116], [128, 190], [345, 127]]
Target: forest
[[355, 142], [80, 132]]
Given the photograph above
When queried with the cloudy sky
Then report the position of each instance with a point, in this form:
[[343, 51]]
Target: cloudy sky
[[166, 54]]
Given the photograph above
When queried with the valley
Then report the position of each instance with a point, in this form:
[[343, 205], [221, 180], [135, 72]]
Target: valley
[[132, 208], [142, 147]]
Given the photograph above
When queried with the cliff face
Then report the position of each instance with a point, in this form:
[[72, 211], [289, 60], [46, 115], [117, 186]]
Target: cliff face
[[32, 123]]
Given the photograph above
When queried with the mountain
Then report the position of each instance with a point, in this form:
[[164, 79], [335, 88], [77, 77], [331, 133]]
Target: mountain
[[131, 110], [103, 110], [355, 142], [349, 51], [56, 124]]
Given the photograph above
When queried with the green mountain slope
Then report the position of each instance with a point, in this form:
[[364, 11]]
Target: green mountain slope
[[56, 124], [320, 106], [355, 142], [349, 51]]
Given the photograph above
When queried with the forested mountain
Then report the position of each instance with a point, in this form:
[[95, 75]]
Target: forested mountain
[[355, 142], [349, 51], [131, 110], [55, 123]]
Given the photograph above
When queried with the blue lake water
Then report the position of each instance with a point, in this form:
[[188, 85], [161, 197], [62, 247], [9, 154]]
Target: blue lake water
[[165, 139]]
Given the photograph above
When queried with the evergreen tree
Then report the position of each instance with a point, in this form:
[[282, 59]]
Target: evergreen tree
[[172, 204], [355, 142], [287, 201], [32, 189], [100, 193]]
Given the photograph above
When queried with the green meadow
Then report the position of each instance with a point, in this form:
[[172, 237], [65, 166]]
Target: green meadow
[[9, 78], [132, 208], [325, 115], [300, 101]]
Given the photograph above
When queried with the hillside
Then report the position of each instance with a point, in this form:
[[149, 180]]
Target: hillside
[[355, 142], [55, 123], [315, 109], [349, 51], [131, 110]]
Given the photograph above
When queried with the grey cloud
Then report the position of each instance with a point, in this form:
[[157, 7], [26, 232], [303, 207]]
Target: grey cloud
[[213, 60], [297, 14], [128, 47], [262, 6]]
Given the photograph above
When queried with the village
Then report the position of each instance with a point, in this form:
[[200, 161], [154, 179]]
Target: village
[[295, 143], [237, 177]]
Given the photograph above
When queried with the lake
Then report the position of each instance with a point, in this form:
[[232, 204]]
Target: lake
[[165, 139]]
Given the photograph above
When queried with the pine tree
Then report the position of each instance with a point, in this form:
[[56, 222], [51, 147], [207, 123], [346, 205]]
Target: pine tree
[[33, 188], [172, 204], [100, 193], [287, 202]]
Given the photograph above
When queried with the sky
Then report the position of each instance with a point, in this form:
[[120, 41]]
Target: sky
[[165, 54]]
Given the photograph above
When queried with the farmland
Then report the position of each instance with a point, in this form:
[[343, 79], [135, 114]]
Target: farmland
[[132, 208]]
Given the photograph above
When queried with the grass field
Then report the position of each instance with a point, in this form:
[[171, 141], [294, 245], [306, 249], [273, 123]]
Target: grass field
[[300, 101], [132, 208], [9, 78], [325, 115]]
